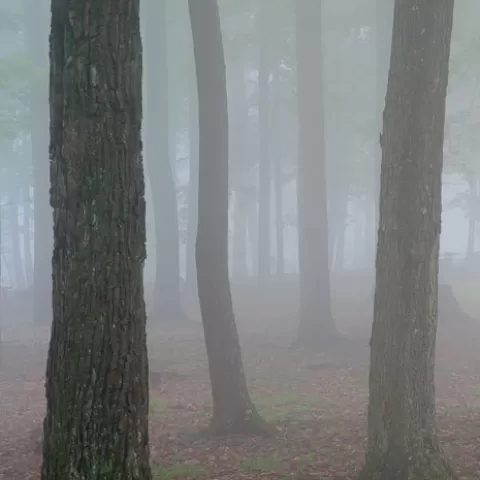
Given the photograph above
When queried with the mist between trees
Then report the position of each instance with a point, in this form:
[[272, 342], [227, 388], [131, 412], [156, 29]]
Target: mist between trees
[[242, 237]]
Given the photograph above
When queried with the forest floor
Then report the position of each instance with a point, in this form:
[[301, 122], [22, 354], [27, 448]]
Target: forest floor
[[314, 401]]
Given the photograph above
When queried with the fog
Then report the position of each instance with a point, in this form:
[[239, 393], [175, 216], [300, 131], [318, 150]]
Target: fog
[[265, 98]]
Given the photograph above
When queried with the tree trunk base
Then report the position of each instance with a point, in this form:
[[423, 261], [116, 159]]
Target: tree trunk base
[[429, 466], [250, 423]]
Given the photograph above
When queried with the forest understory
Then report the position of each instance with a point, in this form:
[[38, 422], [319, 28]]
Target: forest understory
[[314, 401]]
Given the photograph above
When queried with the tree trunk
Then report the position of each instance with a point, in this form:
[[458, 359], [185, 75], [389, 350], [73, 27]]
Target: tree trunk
[[264, 184], [278, 182], [15, 236], [233, 410], [384, 21], [279, 216], [472, 210], [96, 424], [191, 271], [157, 152], [36, 14], [27, 212], [316, 319], [402, 433], [252, 224], [239, 254], [338, 217]]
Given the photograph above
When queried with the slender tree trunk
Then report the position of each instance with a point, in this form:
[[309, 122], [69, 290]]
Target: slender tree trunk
[[402, 432], [15, 236], [473, 199], [239, 257], [279, 216], [27, 213], [252, 224], [264, 184], [191, 271], [316, 319], [233, 410], [338, 216], [157, 151], [36, 13], [96, 424], [275, 134]]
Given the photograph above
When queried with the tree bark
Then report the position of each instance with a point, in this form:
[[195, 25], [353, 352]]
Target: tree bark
[[96, 424], [402, 433], [316, 319], [264, 184], [233, 410], [36, 13], [167, 305]]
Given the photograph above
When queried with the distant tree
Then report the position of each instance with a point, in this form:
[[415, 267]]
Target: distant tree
[[265, 170], [233, 410], [316, 319], [36, 21], [96, 424], [167, 304], [191, 271], [402, 433]]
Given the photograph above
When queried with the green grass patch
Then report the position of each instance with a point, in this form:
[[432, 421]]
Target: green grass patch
[[159, 408], [278, 408], [262, 465], [179, 471]]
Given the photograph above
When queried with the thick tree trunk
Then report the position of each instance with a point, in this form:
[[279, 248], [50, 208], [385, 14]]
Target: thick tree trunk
[[96, 424], [316, 319], [402, 434], [157, 152], [36, 13], [15, 236], [27, 214], [233, 410], [264, 184], [191, 270]]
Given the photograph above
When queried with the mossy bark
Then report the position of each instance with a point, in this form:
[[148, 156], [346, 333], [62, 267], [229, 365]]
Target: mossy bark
[[96, 424], [233, 410], [402, 432]]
